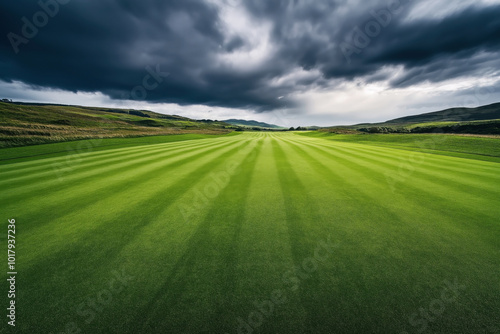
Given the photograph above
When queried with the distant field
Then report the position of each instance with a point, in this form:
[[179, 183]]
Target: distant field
[[256, 233], [482, 148], [446, 124]]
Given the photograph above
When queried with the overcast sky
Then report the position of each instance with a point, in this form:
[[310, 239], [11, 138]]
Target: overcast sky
[[295, 62]]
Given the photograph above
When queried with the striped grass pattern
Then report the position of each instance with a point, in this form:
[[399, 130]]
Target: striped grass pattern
[[255, 233]]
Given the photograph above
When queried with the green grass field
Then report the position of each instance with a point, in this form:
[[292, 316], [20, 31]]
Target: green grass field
[[482, 148], [253, 233]]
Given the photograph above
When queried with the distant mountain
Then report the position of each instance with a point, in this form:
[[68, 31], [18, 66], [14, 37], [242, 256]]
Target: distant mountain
[[483, 113], [244, 123], [480, 120]]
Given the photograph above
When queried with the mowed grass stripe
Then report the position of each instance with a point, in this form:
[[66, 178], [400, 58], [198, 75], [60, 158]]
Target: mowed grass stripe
[[358, 221], [171, 230], [209, 270], [64, 200], [352, 215], [417, 162], [396, 180], [65, 223], [451, 187], [93, 171], [36, 153], [454, 164], [79, 160], [266, 254], [424, 162], [307, 228], [83, 148], [419, 196], [485, 168], [129, 220], [401, 205], [389, 171], [396, 235], [212, 249], [413, 202]]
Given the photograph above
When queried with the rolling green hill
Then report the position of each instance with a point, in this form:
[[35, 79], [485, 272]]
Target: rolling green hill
[[483, 120], [488, 112], [486, 127], [27, 124]]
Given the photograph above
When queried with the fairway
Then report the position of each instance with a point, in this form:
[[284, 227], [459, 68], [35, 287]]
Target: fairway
[[254, 233]]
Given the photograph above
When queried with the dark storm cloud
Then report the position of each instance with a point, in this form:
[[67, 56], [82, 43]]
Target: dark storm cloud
[[450, 48], [364, 43], [448, 67], [106, 45]]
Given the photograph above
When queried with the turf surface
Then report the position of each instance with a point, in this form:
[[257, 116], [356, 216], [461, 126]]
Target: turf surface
[[470, 146], [254, 233]]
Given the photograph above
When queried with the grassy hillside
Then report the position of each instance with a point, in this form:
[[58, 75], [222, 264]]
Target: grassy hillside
[[255, 233], [487, 127], [27, 124], [488, 112], [482, 120]]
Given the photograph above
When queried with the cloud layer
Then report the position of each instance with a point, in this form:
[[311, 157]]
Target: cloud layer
[[257, 55]]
